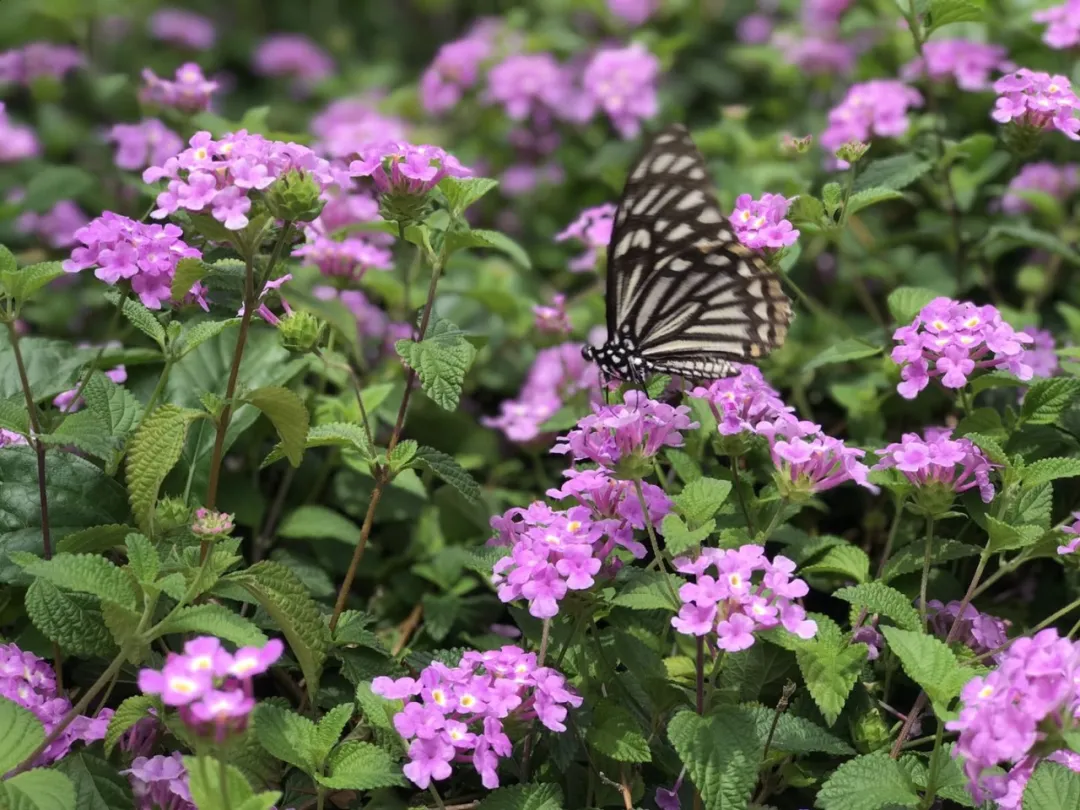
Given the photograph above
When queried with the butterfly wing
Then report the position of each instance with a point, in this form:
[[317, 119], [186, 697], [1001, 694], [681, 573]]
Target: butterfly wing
[[681, 287]]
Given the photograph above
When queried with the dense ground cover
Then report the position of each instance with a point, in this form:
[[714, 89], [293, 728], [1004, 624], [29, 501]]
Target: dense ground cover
[[308, 498]]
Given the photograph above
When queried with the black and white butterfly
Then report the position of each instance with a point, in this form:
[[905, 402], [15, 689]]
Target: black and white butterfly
[[684, 296]]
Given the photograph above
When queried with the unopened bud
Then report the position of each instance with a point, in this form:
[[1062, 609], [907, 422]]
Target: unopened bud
[[300, 331], [295, 196], [852, 151]]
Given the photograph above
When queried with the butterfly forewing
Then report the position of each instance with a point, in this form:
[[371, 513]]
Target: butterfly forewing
[[681, 287]]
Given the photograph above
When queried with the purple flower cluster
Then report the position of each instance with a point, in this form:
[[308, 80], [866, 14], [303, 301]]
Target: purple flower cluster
[[160, 783], [552, 318], [956, 337], [295, 56], [940, 464], [760, 223], [640, 427], [455, 69], [183, 28], [979, 632], [271, 288], [211, 687], [529, 85], [812, 462], [877, 108], [349, 259], [967, 63], [399, 166], [821, 47], [121, 248], [1059, 181], [1037, 100], [30, 682], [732, 605], [557, 374], [220, 177], [1041, 354], [188, 92], [56, 227], [1063, 24], [209, 523], [17, 142], [148, 143], [622, 83], [593, 228], [1031, 695], [348, 125], [742, 401], [633, 12], [1071, 546], [35, 60], [456, 714], [9, 438]]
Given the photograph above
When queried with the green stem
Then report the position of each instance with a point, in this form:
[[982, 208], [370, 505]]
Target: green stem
[[737, 481], [438, 799], [928, 556], [224, 778], [159, 389], [662, 561], [93, 366], [935, 770], [774, 521]]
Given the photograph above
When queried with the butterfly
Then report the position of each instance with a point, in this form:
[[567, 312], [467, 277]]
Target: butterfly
[[684, 296]]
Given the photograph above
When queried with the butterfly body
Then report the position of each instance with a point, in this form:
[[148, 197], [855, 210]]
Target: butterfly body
[[684, 296]]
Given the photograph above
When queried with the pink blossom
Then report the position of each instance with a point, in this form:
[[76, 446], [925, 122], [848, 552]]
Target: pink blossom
[[1037, 100], [593, 228], [760, 223]]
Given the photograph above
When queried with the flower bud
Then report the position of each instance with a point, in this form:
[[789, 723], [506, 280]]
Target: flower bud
[[210, 525], [295, 196], [404, 207], [172, 513], [300, 331], [1022, 139], [852, 151]]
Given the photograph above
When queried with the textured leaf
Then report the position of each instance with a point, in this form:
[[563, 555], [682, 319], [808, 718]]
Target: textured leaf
[[333, 434], [83, 431], [141, 317], [441, 359], [98, 785], [721, 754], [290, 417], [1047, 399], [870, 196], [447, 468], [112, 404], [51, 366], [892, 172], [910, 558], [946, 12], [123, 624], [646, 590], [155, 449], [319, 523], [360, 766], [1006, 537], [879, 598], [72, 620], [39, 789], [127, 714], [1052, 787], [461, 192], [678, 539], [21, 284], [329, 730], [546, 796], [14, 417], [142, 558], [929, 662], [210, 792], [94, 539], [288, 736], [796, 735], [905, 302], [456, 240], [188, 272], [614, 733], [872, 782], [23, 733], [1049, 469], [830, 667], [215, 620], [701, 499], [195, 334], [847, 561], [87, 573]]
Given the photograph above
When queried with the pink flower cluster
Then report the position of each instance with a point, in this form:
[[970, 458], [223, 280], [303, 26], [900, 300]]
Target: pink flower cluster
[[1037, 100], [807, 461], [183, 28], [957, 337], [456, 714], [211, 687], [121, 248], [622, 83], [742, 401], [148, 143], [552, 318], [9, 438], [455, 69], [820, 47], [939, 462], [760, 223], [56, 227], [399, 166], [1071, 546], [348, 259], [1031, 695], [295, 56], [220, 177], [633, 12], [30, 682], [979, 632], [160, 783], [967, 63], [732, 605], [1063, 24], [210, 523], [593, 228], [529, 84], [557, 374], [1041, 354], [877, 108], [348, 125], [189, 91], [35, 60], [1059, 181], [17, 142]]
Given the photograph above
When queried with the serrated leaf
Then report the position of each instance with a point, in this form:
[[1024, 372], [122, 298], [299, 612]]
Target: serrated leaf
[[846, 561], [95, 539], [360, 766], [701, 499], [946, 12], [115, 408], [1014, 233], [194, 335], [461, 192], [1049, 469], [1047, 400], [870, 782], [82, 430], [72, 620], [990, 446], [21, 284], [721, 754], [878, 598], [441, 359], [140, 317], [1052, 787], [288, 736], [547, 796], [640, 589], [1034, 506], [98, 785], [615, 734], [830, 667], [929, 662], [188, 272], [796, 735], [910, 558], [1006, 537], [906, 302], [23, 733], [290, 417], [843, 351], [678, 539], [14, 416], [870, 196], [123, 624], [329, 729], [215, 620], [478, 238], [39, 789], [333, 434], [142, 558], [155, 449], [896, 172], [214, 787], [127, 714], [447, 468], [87, 573]]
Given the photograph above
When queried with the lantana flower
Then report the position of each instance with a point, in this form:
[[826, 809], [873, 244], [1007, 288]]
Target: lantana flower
[[593, 229], [189, 91], [760, 224], [939, 467], [1037, 100]]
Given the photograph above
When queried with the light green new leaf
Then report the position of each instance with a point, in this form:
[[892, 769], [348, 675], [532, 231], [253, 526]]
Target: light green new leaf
[[312, 522], [141, 317], [701, 499], [188, 272], [847, 561], [21, 284], [892, 172], [929, 662], [1052, 787], [329, 729], [195, 334], [142, 557], [478, 238], [290, 416], [447, 468], [72, 620], [721, 754], [154, 451], [870, 196], [334, 434], [639, 589], [1006, 537], [1047, 400], [114, 406], [905, 302], [23, 733], [39, 789], [946, 12], [878, 598], [210, 792], [127, 714], [95, 539], [215, 620], [678, 539], [462, 192], [360, 766], [614, 733], [1049, 469], [843, 351], [830, 667], [871, 782], [441, 359], [288, 736], [87, 573]]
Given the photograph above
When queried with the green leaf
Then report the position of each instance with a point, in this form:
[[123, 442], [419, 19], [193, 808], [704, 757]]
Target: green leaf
[[333, 434], [98, 785], [547, 796], [946, 12], [1049, 469], [21, 284], [1052, 787], [614, 733], [442, 359], [911, 557], [1006, 537], [112, 405], [1008, 235], [896, 172], [360, 766], [188, 273], [830, 667], [52, 184], [990, 447], [878, 598], [842, 352], [906, 302], [82, 430], [210, 792], [1033, 506], [123, 624], [477, 238], [289, 604], [128, 713], [141, 317], [807, 210], [447, 468], [870, 196], [155, 449], [402, 454], [8, 263], [641, 589], [95, 539], [319, 523], [215, 620], [872, 782], [39, 789], [721, 754], [288, 736], [14, 416], [929, 662], [847, 561], [678, 539], [1047, 400], [72, 620], [142, 558], [87, 573], [832, 196], [329, 730], [290, 417], [461, 192], [701, 499], [796, 735], [194, 335], [23, 733]]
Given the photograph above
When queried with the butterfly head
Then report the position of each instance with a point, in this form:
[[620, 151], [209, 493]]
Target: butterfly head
[[618, 358]]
